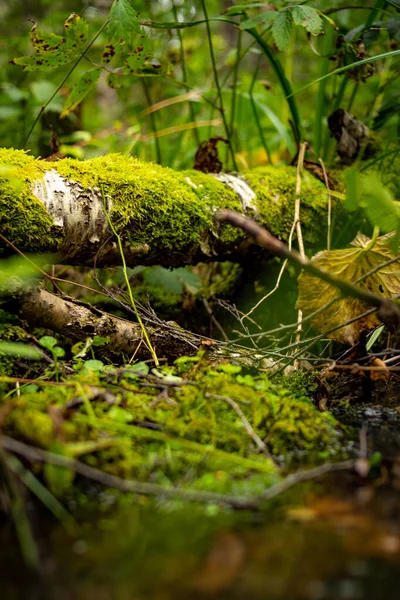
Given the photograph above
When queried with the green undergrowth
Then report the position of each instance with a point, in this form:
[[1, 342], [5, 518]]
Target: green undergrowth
[[171, 426]]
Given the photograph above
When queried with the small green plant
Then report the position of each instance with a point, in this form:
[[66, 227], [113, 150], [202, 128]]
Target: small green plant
[[51, 344]]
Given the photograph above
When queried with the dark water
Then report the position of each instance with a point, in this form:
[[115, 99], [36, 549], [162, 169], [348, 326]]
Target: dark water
[[336, 542]]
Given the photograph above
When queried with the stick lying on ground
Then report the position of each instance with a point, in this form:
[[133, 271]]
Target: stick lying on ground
[[37, 455], [388, 310]]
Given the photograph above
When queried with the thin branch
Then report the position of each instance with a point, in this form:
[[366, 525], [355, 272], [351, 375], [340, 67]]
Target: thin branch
[[326, 179], [297, 223], [389, 311], [308, 475], [34, 454], [128, 285]]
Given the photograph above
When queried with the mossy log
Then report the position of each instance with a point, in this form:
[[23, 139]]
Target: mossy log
[[163, 217]]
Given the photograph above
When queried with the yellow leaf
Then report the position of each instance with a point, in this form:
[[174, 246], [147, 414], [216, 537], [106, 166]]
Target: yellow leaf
[[349, 264]]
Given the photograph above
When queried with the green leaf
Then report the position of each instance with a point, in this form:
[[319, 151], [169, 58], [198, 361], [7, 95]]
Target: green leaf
[[48, 342], [307, 17], [123, 21], [393, 28], [167, 377], [139, 369], [381, 208], [282, 30], [80, 349], [353, 189], [265, 17], [138, 56], [160, 277], [58, 352], [356, 63], [238, 9], [101, 341], [20, 350], [80, 90], [54, 50], [373, 337], [93, 365]]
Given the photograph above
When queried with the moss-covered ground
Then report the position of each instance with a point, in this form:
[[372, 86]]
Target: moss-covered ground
[[173, 426]]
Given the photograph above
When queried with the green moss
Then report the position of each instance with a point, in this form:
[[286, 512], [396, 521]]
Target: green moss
[[214, 193], [23, 219], [154, 205], [150, 203], [275, 188], [197, 442], [289, 423]]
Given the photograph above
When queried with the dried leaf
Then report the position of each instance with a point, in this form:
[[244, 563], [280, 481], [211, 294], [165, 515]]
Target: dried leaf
[[384, 373], [207, 159], [350, 134], [349, 264], [309, 18]]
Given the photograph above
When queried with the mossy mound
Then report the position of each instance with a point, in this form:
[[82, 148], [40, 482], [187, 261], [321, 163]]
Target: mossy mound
[[172, 426]]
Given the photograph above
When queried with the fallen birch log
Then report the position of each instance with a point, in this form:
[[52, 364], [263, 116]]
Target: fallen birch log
[[162, 216]]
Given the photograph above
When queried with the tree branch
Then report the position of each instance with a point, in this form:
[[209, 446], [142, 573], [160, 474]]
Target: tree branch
[[388, 310]]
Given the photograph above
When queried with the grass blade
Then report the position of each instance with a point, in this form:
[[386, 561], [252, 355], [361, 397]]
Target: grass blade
[[346, 68]]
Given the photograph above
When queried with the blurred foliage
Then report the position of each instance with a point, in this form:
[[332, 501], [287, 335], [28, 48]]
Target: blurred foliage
[[147, 88]]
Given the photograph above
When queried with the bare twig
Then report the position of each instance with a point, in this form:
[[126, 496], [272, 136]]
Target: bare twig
[[297, 223], [34, 454], [326, 179], [277, 284], [308, 475], [388, 310]]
